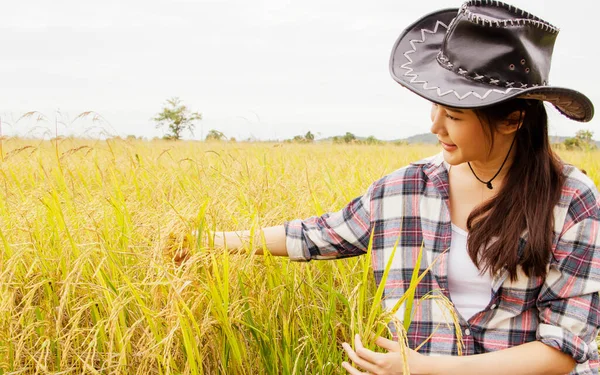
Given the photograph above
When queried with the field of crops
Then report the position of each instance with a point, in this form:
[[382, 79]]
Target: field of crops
[[90, 229]]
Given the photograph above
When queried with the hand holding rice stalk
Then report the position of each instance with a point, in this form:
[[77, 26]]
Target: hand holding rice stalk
[[398, 358]]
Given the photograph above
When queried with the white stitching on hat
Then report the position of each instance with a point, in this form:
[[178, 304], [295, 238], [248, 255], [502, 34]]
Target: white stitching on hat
[[511, 8], [445, 62], [414, 77], [529, 20], [570, 108]]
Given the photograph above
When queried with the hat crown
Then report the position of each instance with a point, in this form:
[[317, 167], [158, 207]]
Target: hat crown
[[496, 43]]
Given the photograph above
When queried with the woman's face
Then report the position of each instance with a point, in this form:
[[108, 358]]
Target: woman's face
[[461, 134]]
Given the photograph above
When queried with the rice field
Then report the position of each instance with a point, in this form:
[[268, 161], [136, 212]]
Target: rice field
[[89, 264]]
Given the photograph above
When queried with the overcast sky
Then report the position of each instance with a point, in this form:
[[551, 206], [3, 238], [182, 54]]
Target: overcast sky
[[267, 69]]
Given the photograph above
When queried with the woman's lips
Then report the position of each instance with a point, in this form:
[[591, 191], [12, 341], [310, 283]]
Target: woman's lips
[[447, 146]]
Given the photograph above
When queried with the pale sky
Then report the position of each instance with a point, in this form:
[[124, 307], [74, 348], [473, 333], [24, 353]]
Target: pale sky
[[267, 69]]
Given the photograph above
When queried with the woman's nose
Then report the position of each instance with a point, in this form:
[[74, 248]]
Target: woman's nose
[[437, 123]]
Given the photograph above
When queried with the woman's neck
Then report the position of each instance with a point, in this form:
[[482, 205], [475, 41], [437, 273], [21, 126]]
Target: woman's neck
[[497, 164]]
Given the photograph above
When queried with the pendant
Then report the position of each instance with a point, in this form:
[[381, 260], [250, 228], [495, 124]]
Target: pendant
[[489, 185]]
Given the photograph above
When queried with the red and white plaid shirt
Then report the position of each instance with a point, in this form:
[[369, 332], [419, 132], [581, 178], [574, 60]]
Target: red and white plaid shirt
[[560, 310]]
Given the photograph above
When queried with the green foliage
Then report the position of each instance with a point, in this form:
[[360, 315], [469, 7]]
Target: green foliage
[[349, 138], [582, 141], [371, 140], [309, 137], [584, 135], [177, 117], [215, 135]]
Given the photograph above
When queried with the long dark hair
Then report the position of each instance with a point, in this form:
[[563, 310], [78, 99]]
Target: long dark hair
[[525, 204]]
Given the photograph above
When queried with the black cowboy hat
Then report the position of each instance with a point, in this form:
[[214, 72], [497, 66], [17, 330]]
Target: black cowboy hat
[[484, 53]]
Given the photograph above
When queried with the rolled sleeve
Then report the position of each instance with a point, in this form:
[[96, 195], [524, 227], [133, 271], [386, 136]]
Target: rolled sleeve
[[568, 301], [340, 234], [296, 248]]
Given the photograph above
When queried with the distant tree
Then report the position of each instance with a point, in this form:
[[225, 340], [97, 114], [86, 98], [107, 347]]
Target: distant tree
[[177, 117], [309, 137], [571, 143], [337, 139], [584, 135], [349, 137], [582, 140], [215, 135], [371, 140]]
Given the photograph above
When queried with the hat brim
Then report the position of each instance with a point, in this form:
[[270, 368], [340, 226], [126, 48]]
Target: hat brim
[[414, 65]]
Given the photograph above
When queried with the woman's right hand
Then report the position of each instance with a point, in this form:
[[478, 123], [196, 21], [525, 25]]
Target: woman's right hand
[[179, 247]]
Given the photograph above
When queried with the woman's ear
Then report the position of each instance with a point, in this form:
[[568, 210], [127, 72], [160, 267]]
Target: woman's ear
[[512, 123]]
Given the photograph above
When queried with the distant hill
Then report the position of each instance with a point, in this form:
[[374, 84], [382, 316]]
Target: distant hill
[[425, 138], [428, 138], [561, 139], [431, 139]]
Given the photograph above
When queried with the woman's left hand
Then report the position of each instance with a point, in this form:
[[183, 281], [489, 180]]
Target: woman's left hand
[[381, 363]]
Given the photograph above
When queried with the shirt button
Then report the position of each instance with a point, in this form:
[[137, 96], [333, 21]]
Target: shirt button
[[467, 332], [493, 306]]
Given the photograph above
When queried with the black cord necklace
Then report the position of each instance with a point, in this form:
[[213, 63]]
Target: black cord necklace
[[489, 183]]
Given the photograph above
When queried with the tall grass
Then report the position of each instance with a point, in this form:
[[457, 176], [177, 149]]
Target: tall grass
[[90, 231]]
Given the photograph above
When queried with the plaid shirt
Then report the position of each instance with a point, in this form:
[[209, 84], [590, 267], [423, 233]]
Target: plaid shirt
[[560, 310]]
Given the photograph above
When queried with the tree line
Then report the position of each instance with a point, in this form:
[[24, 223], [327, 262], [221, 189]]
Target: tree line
[[178, 118]]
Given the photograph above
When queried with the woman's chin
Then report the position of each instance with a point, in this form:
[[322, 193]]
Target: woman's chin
[[452, 157]]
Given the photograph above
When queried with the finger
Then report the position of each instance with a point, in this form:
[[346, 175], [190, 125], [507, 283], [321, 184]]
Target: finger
[[386, 344], [365, 353], [352, 370], [360, 362]]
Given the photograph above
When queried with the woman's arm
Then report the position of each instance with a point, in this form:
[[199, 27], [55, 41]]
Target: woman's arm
[[532, 358], [274, 240], [332, 235]]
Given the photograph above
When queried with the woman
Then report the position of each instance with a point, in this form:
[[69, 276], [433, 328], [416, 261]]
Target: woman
[[514, 231]]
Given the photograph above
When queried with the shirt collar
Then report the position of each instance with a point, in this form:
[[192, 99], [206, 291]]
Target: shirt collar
[[436, 169]]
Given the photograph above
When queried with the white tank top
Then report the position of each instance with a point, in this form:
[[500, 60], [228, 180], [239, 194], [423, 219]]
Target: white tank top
[[470, 292]]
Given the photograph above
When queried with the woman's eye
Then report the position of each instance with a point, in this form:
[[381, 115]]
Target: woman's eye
[[451, 117]]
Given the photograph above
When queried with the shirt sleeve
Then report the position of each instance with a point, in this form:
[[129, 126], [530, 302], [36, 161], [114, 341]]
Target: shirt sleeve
[[568, 301], [340, 234]]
